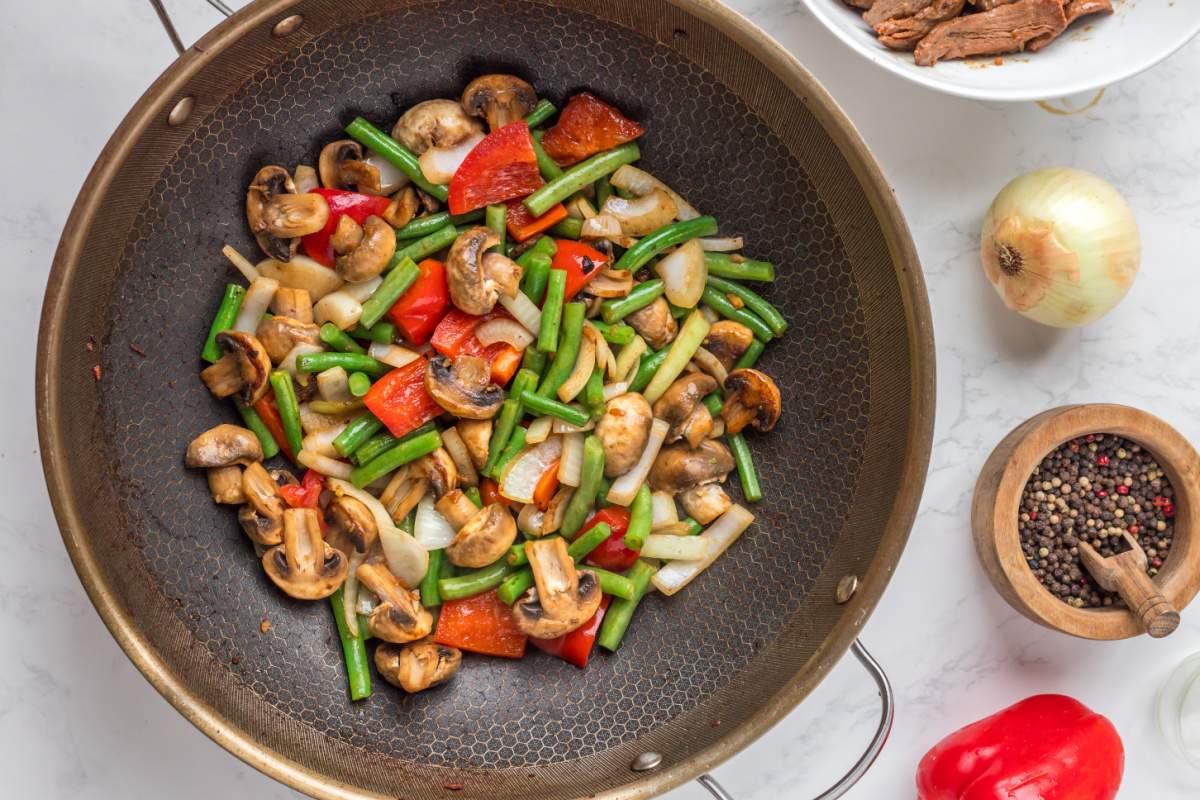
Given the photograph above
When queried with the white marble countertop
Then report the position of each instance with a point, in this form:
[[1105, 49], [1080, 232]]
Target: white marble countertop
[[78, 721]]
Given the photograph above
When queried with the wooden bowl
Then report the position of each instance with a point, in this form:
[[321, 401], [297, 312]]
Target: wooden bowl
[[996, 504]]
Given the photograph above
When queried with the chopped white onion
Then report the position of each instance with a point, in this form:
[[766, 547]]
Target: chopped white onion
[[302, 273], [339, 308], [305, 178], [665, 512], [334, 385], [406, 558], [457, 448], [585, 364], [684, 274], [640, 182], [439, 164], [709, 315], [611, 283], [570, 466], [615, 390], [503, 329], [625, 487], [539, 430], [523, 310], [254, 304], [601, 226], [362, 291], [289, 361], [628, 358], [604, 357], [392, 354], [722, 533], [367, 601], [670, 548], [562, 426], [325, 465], [726, 244], [321, 442], [580, 208], [391, 179], [521, 476], [431, 529], [641, 216], [239, 261]]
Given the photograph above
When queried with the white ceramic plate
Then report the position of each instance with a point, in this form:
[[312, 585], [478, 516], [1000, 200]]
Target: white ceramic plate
[[1095, 52]]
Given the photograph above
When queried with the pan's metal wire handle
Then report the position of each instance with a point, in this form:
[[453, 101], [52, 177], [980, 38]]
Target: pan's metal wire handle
[[169, 26], [887, 700]]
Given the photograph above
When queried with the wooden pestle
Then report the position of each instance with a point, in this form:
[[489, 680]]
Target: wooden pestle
[[1125, 573]]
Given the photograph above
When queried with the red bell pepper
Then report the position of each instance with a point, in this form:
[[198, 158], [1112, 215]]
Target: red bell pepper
[[400, 401], [587, 126], [612, 554], [480, 624], [499, 168], [576, 646], [489, 492], [1047, 747], [455, 336], [341, 204], [422, 306], [582, 263], [307, 494], [269, 413], [523, 225]]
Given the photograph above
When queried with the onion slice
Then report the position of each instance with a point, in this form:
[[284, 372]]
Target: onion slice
[[684, 274], [585, 363], [302, 273], [503, 329], [457, 448], [562, 426], [305, 178], [615, 390], [334, 384], [640, 182], [523, 310], [641, 216], [254, 304], [625, 487], [722, 533], [431, 529], [664, 511], [521, 476], [604, 357], [727, 244], [710, 364], [406, 558], [392, 354], [438, 164], [570, 466], [325, 465], [627, 359], [686, 548], [321, 442], [239, 261], [391, 179], [611, 283], [338, 307], [539, 430]]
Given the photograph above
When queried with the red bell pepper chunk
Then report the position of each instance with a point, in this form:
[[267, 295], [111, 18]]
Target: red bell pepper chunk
[[1046, 747], [612, 554], [307, 494], [582, 263], [489, 492], [400, 401], [269, 413], [587, 126], [480, 624], [576, 646], [523, 226], [341, 204], [455, 336], [499, 168], [421, 308]]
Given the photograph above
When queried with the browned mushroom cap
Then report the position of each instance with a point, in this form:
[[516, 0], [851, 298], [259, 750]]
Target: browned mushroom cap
[[439, 469], [280, 334], [341, 167], [705, 503], [434, 123], [654, 323], [679, 467], [346, 235], [484, 538], [304, 566], [278, 217], [751, 398], [349, 525], [727, 340], [463, 386], [500, 98], [456, 508], [477, 436], [477, 278], [371, 255], [399, 617], [417, 666], [262, 515], [245, 369], [681, 408], [225, 485], [623, 430], [223, 446], [563, 599]]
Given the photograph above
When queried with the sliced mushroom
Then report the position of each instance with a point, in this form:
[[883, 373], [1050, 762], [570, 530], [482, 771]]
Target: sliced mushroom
[[245, 369], [679, 467], [304, 566], [680, 407], [477, 436], [751, 399], [477, 278], [500, 98], [341, 166], [262, 515], [563, 599], [371, 255], [705, 503], [346, 235], [435, 123], [438, 468], [350, 526], [225, 485], [278, 216], [463, 386], [456, 508], [403, 208], [484, 538], [399, 617], [222, 450], [280, 334], [654, 323], [623, 430], [294, 303], [417, 666], [727, 340]]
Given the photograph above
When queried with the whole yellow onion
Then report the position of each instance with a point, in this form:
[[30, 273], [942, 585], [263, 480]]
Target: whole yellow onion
[[1060, 246]]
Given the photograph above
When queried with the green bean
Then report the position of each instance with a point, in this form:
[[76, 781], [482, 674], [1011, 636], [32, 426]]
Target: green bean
[[720, 303], [395, 153], [446, 570], [667, 236], [694, 527], [602, 493], [356, 434], [641, 514], [756, 303], [289, 408], [589, 482], [537, 273], [382, 332], [473, 583], [423, 226], [751, 356], [226, 315], [515, 443], [254, 422], [552, 311], [723, 266], [516, 555], [395, 284], [546, 165], [569, 228], [604, 191], [351, 362], [713, 403], [687, 342], [534, 360], [541, 112], [472, 493], [391, 459], [335, 407], [354, 650], [339, 340], [546, 406], [409, 523], [496, 218], [568, 349], [506, 422], [429, 584], [617, 618], [360, 384], [614, 334], [612, 583], [580, 175], [544, 246], [616, 309], [588, 541], [647, 367], [426, 246], [593, 394], [375, 446], [515, 585], [678, 312], [745, 467]]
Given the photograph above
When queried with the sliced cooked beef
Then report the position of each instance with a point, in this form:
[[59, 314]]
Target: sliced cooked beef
[[884, 10], [1074, 9], [905, 32], [1006, 29]]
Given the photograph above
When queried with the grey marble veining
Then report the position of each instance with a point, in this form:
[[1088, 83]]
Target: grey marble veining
[[78, 721]]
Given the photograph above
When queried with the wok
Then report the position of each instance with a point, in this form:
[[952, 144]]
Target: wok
[[737, 126]]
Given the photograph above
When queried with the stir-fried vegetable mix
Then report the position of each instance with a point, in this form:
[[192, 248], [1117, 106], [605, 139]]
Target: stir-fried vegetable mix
[[517, 415]]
